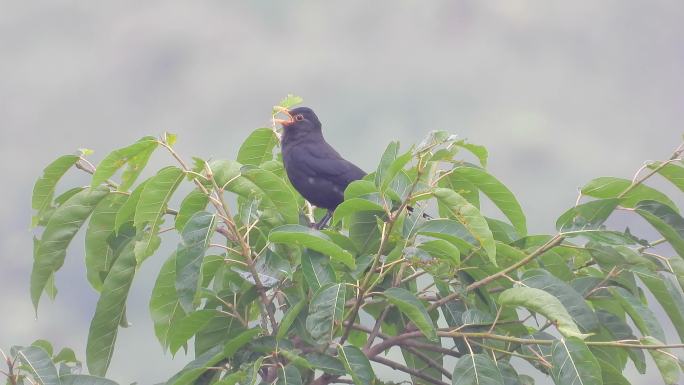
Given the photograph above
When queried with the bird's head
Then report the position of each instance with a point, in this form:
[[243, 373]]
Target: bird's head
[[300, 120]]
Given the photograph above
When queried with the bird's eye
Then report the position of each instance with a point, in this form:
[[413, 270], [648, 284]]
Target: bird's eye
[[299, 117]]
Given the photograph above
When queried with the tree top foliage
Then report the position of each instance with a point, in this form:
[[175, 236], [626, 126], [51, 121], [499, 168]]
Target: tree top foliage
[[460, 297]]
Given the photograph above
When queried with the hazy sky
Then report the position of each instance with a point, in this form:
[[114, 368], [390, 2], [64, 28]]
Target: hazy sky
[[559, 92]]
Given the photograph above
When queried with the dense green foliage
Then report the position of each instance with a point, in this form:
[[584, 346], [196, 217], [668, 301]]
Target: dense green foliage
[[462, 297]]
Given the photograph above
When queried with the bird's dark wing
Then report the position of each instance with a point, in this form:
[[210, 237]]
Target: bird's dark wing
[[324, 162]]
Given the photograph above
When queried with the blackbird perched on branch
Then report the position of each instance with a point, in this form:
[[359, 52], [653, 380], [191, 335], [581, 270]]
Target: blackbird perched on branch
[[316, 170]]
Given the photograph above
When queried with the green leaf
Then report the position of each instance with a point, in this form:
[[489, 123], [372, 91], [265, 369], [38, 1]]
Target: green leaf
[[610, 375], [41, 366], [289, 375], [276, 191], [573, 363], [127, 211], [84, 379], [364, 231], [619, 330], [45, 345], [183, 329], [677, 266], [44, 189], [665, 361], [573, 302], [498, 193], [586, 216], [196, 237], [234, 344], [643, 317], [288, 318], [479, 151], [543, 303], [462, 186], [671, 172], [195, 201], [476, 369], [443, 250], [408, 304], [152, 207], [313, 239], [99, 255], [195, 368], [289, 102], [388, 156], [258, 147], [357, 365], [610, 187], [666, 220], [668, 295], [165, 308], [394, 168], [136, 155], [109, 311], [470, 217], [359, 188], [60, 230], [326, 363], [354, 205], [317, 270], [325, 310]]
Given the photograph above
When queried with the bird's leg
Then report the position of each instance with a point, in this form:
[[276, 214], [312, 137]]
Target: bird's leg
[[324, 220]]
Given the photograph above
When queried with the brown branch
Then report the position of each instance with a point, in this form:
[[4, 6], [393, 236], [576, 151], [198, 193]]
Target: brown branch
[[406, 369]]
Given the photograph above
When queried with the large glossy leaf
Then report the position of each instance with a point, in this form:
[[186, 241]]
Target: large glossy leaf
[[668, 295], [469, 216], [356, 364], [573, 302], [543, 303], [479, 151], [354, 205], [313, 239], [665, 361], [258, 147], [443, 250], [671, 172], [60, 230], [165, 308], [44, 189], [394, 168], [84, 379], [411, 306], [99, 255], [498, 193], [462, 186], [127, 211], [388, 156], [196, 237], [276, 191], [289, 317], [183, 329], [152, 207], [573, 363], [620, 330], [196, 367], [325, 310], [136, 155], [667, 221], [364, 231], [195, 201], [587, 216], [610, 187], [235, 343], [317, 270], [40, 365], [448, 230], [109, 312], [325, 363], [643, 317], [476, 369], [289, 375]]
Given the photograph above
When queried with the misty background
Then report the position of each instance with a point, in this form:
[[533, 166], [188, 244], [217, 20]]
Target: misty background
[[559, 92]]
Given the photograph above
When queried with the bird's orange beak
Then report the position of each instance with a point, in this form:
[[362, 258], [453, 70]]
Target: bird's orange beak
[[283, 110]]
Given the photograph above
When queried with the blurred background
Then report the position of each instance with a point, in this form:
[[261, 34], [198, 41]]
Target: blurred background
[[559, 93]]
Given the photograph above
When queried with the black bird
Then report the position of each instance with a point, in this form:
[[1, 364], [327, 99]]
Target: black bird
[[316, 170]]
